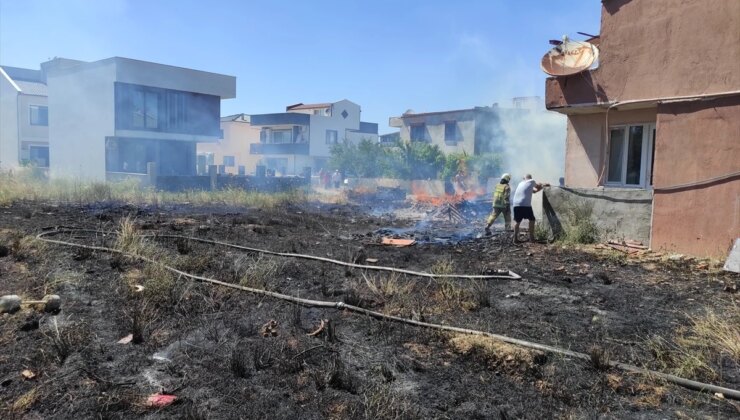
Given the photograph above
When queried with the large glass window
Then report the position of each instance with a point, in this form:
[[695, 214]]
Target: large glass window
[[38, 115], [631, 150], [155, 109], [282, 136]]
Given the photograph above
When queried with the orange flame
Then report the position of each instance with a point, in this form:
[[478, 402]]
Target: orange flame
[[422, 197]]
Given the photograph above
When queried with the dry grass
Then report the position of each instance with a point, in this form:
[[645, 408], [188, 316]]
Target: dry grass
[[443, 266], [699, 349], [24, 186], [393, 290], [61, 278], [23, 247], [22, 404], [128, 239], [260, 273], [496, 354], [382, 403]]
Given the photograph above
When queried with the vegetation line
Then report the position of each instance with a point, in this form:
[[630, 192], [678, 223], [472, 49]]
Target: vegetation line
[[687, 383]]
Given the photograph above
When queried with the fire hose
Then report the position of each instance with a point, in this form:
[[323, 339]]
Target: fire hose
[[686, 383]]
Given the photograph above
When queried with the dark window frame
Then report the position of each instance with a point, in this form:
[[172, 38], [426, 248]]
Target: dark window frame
[[414, 128], [166, 110], [453, 138]]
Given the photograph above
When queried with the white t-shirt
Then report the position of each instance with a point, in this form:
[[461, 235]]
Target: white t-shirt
[[523, 194]]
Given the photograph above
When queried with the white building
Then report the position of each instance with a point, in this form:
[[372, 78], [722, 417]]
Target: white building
[[116, 115], [108, 119], [304, 135], [24, 118]]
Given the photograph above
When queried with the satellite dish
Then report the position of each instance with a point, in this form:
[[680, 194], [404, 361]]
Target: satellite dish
[[570, 57]]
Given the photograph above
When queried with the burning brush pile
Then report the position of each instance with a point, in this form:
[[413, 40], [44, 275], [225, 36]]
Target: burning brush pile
[[446, 219]]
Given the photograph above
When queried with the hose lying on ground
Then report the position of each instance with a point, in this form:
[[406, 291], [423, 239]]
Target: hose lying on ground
[[510, 275], [687, 383]]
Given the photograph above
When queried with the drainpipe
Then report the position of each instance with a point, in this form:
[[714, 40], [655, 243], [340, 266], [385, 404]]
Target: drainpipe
[[669, 99]]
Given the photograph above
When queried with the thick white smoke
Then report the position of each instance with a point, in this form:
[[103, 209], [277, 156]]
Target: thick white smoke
[[535, 144]]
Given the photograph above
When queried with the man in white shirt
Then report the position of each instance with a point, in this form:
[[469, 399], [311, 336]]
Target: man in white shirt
[[523, 205]]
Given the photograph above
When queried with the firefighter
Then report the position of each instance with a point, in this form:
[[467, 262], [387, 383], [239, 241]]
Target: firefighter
[[501, 203]]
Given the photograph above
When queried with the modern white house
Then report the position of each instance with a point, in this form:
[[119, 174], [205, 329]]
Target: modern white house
[[111, 117], [24, 118], [304, 134]]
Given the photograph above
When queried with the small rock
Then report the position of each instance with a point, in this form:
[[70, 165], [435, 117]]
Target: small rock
[[10, 304]]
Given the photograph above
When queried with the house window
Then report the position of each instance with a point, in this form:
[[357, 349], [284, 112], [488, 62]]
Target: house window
[[282, 136], [39, 156], [451, 131], [229, 161], [332, 137], [39, 115], [418, 132], [155, 109], [631, 155]]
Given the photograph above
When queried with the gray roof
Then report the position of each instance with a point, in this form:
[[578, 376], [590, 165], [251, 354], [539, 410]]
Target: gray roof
[[17, 73], [32, 88]]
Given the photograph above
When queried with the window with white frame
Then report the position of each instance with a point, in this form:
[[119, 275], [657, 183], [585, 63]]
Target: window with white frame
[[229, 161], [631, 149]]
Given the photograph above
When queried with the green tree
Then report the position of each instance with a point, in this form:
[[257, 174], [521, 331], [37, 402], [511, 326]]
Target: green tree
[[487, 165]]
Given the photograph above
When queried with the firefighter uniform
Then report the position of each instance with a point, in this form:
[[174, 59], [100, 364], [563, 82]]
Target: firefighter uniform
[[501, 203]]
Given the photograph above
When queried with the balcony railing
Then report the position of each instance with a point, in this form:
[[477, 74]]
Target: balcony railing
[[278, 149]]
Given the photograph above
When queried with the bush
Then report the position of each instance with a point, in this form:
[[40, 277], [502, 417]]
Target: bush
[[580, 227]]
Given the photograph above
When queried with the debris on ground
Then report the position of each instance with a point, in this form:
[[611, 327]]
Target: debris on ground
[[397, 242], [270, 329], [160, 400], [28, 374], [127, 339], [10, 304]]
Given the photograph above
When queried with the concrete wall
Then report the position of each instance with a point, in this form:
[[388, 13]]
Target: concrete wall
[[697, 141], [585, 144], [658, 48], [237, 138], [81, 116], [171, 77], [619, 213], [9, 146], [434, 123]]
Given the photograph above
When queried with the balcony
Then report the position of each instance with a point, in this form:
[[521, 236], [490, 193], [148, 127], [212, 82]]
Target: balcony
[[580, 91], [278, 149]]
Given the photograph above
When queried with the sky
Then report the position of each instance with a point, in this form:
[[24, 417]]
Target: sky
[[386, 56]]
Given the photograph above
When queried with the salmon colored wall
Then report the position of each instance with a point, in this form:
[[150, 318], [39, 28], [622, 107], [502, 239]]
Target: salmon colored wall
[[237, 138], [697, 141], [658, 48], [585, 144]]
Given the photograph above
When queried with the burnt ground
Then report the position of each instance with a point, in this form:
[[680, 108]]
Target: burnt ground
[[203, 343]]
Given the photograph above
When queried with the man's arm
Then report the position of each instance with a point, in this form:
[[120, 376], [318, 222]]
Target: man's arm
[[538, 187]]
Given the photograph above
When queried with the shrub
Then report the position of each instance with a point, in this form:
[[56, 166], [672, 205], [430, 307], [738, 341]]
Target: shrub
[[580, 227]]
